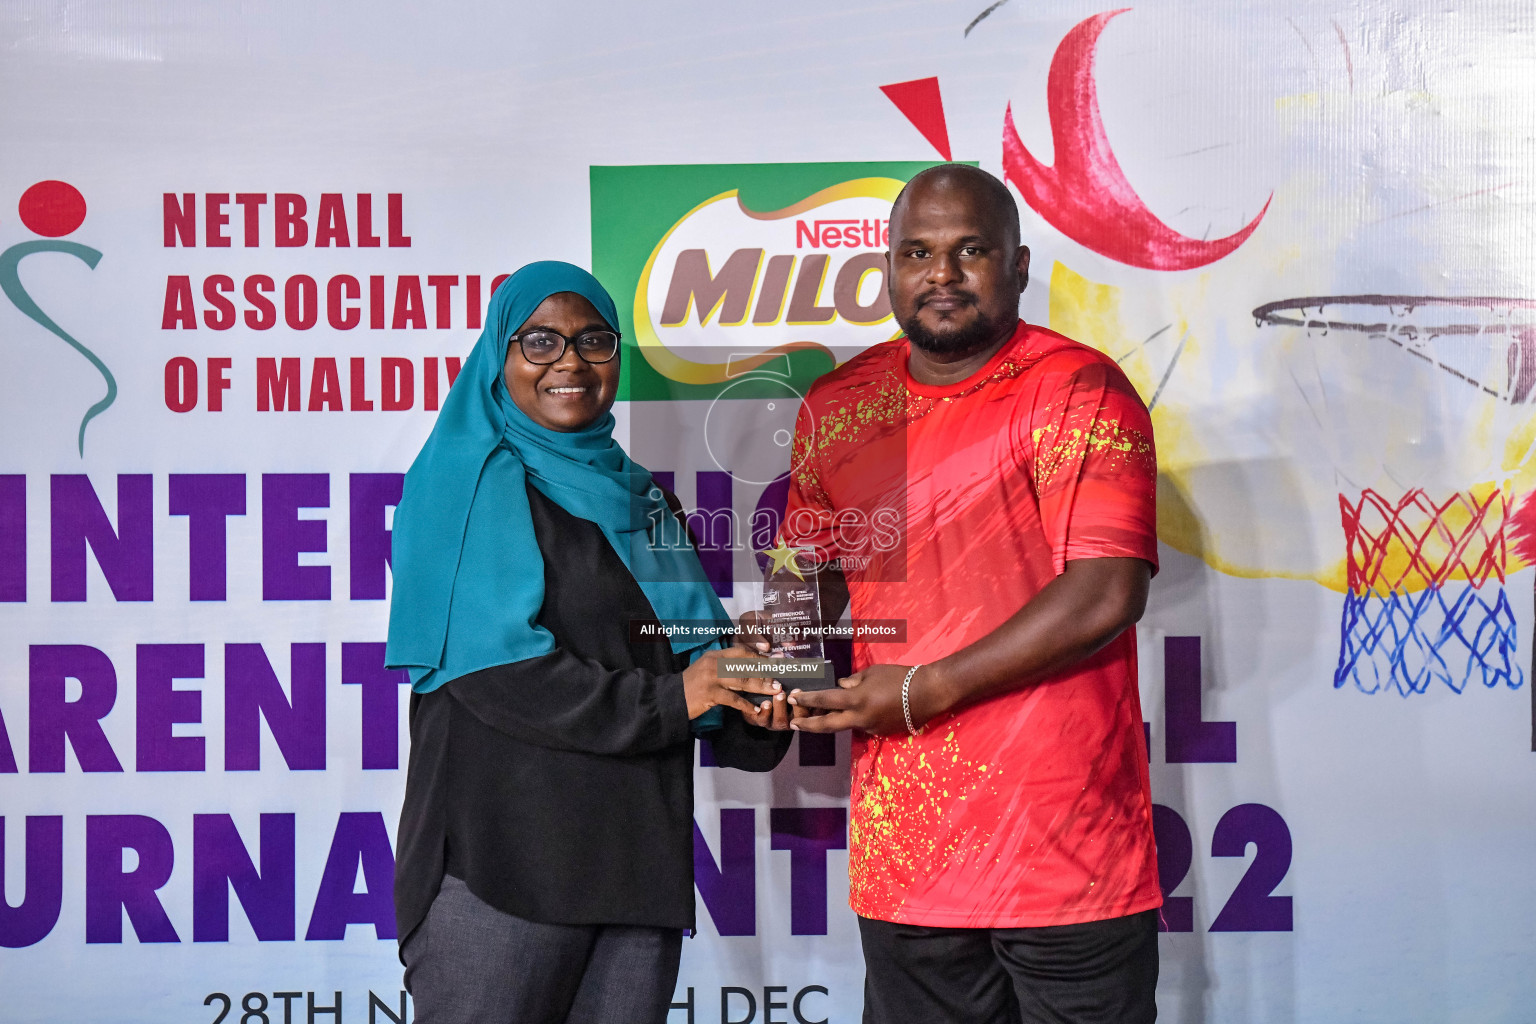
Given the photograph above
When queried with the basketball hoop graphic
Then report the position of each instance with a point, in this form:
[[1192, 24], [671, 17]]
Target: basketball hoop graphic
[[1422, 406]]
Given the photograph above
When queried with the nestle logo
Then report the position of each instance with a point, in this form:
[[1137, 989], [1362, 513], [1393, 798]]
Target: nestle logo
[[850, 233]]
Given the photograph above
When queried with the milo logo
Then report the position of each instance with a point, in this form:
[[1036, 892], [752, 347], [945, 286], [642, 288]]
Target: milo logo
[[780, 272]]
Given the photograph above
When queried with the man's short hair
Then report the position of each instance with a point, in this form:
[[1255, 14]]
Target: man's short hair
[[997, 194]]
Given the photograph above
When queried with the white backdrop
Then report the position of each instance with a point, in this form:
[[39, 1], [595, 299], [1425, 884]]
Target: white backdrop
[[1336, 656]]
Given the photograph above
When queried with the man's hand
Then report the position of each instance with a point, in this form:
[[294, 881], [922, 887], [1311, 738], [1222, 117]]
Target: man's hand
[[1073, 616], [704, 687], [869, 701]]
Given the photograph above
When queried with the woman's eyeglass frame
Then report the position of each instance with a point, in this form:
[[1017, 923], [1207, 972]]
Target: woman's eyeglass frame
[[564, 344]]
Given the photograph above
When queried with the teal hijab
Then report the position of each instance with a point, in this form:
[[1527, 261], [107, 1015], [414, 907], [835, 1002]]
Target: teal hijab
[[468, 572]]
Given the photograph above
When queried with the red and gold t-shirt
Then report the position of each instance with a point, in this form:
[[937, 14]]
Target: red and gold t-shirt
[[950, 508]]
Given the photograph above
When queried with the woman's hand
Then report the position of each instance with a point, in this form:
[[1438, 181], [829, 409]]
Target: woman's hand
[[704, 687], [775, 714], [751, 632]]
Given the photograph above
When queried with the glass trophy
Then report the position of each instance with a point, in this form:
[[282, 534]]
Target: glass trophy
[[792, 617]]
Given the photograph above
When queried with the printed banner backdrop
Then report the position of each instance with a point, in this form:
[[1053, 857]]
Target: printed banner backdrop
[[244, 250]]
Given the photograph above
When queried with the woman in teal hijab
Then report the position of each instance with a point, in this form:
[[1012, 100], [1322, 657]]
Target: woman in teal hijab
[[562, 643]]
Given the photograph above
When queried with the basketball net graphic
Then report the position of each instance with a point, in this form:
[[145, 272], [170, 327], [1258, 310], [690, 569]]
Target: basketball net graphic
[[1420, 402]]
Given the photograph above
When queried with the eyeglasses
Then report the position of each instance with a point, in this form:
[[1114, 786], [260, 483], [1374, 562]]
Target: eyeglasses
[[544, 346]]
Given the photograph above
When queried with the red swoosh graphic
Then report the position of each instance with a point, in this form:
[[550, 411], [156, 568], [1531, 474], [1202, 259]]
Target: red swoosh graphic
[[1085, 195]]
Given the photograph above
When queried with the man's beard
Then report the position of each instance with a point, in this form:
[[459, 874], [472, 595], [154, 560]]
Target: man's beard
[[959, 341]]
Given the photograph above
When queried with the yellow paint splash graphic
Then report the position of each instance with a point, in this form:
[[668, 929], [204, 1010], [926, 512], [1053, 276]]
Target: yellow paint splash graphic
[[899, 805]]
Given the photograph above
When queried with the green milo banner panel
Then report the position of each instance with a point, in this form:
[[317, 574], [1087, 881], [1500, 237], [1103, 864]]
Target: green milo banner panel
[[744, 277]]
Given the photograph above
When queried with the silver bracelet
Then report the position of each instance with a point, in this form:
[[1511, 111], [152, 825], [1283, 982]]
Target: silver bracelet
[[906, 702]]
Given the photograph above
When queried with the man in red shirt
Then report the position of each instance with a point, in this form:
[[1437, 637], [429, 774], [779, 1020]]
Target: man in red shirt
[[993, 485]]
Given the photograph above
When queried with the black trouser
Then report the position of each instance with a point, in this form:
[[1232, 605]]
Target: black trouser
[[1102, 972]]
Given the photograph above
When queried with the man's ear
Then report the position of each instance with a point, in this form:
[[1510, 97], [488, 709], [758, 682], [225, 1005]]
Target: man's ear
[[1022, 262]]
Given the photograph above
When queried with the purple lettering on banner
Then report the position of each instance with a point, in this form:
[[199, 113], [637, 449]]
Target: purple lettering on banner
[[707, 757], [359, 836], [1175, 853], [1188, 738], [808, 833], [160, 706], [768, 515], [816, 749], [53, 719], [819, 749], [729, 889], [717, 548], [1251, 908], [371, 495], [7, 754], [33, 918], [252, 693], [126, 555], [109, 890], [220, 862], [363, 664], [13, 538], [207, 500], [284, 536]]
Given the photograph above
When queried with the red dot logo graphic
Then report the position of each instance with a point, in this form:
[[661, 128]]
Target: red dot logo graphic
[[52, 208]]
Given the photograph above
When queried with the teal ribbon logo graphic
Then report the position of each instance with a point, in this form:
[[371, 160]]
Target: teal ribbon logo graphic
[[10, 283]]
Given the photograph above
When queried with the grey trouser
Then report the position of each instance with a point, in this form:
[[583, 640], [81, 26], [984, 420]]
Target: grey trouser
[[469, 962]]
